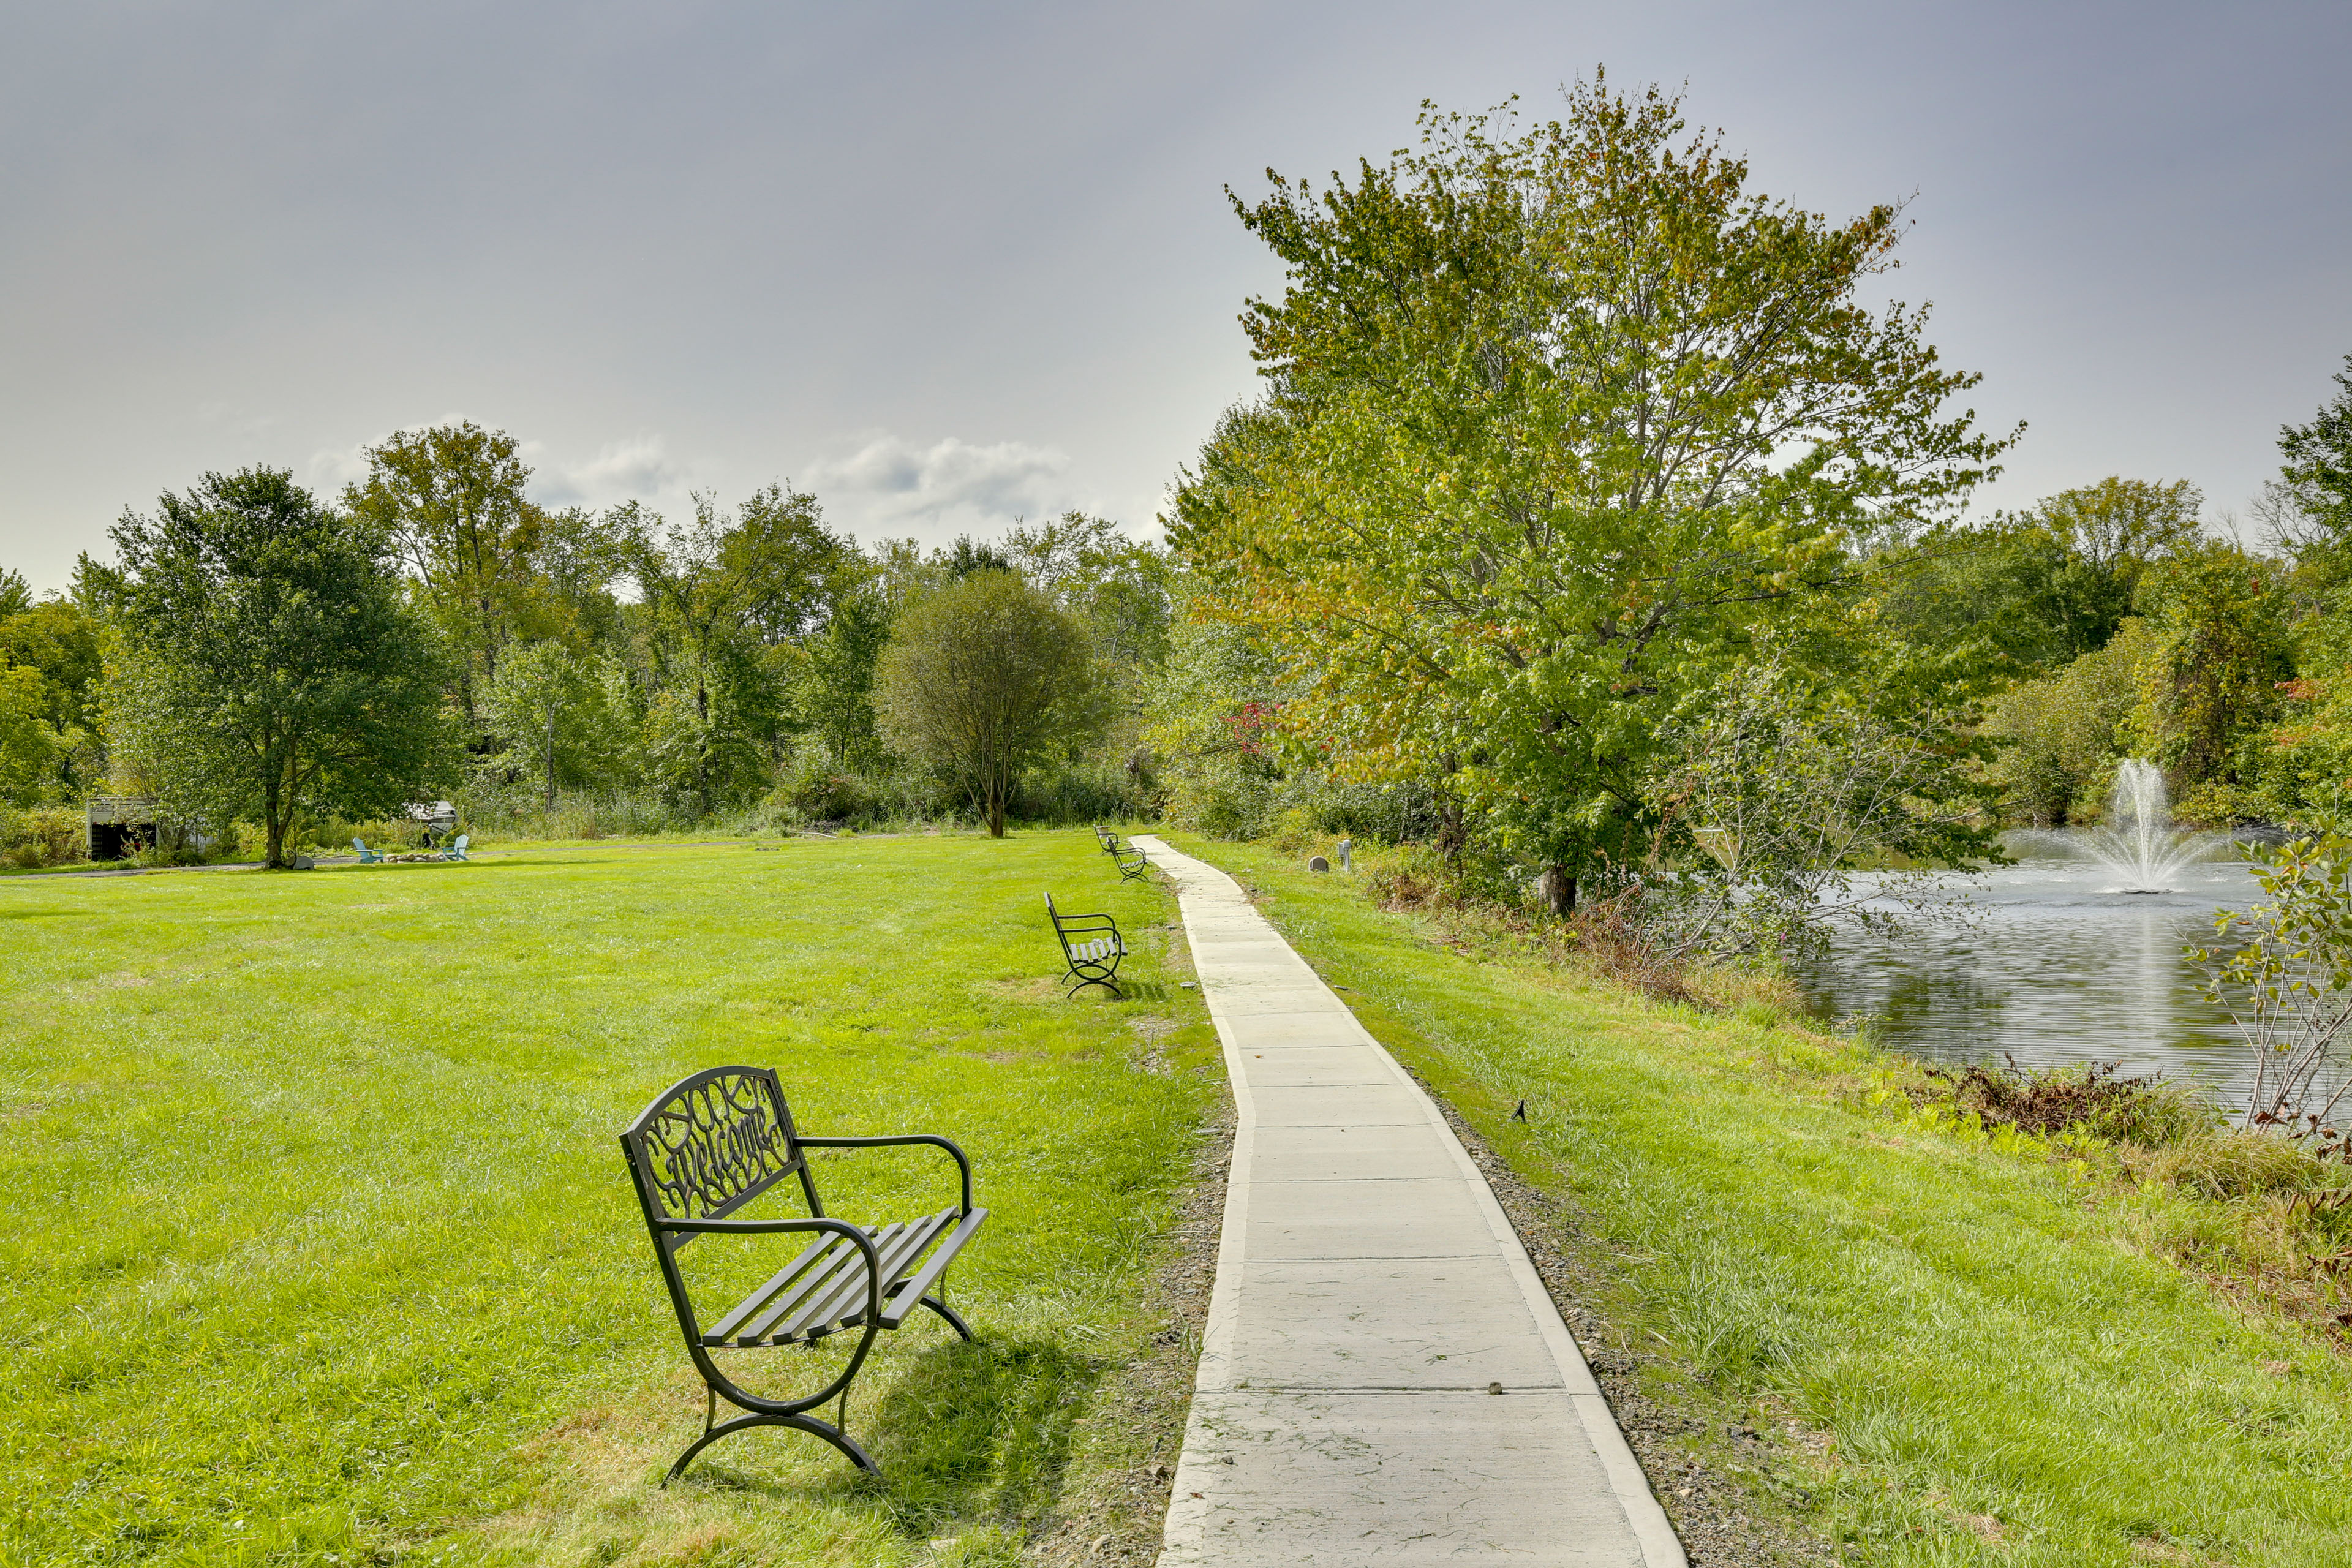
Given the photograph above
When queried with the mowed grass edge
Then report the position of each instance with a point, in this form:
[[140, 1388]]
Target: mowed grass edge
[[1960, 1355], [321, 1250]]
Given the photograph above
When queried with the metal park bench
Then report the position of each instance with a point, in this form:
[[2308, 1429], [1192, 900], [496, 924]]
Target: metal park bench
[[1129, 860], [712, 1142], [1092, 959]]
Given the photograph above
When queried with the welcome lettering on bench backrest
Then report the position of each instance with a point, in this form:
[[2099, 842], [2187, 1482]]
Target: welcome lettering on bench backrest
[[714, 1145]]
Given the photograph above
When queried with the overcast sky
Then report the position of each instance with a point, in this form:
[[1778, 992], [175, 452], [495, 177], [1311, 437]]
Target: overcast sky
[[948, 265]]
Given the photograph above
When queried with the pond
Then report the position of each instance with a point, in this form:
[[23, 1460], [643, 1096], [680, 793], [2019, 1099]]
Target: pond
[[2057, 964]]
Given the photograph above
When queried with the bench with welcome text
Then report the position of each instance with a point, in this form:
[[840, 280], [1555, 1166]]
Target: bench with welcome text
[[1093, 958], [1129, 860], [711, 1144]]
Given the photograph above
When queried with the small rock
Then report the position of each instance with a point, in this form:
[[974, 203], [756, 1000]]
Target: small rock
[[1494, 1388], [1189, 984], [305, 863], [1316, 863]]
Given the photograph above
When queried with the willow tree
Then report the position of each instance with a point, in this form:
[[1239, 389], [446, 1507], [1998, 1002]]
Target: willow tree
[[1556, 422]]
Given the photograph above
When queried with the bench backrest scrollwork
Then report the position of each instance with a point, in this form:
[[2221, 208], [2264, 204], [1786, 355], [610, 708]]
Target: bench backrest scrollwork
[[711, 1144]]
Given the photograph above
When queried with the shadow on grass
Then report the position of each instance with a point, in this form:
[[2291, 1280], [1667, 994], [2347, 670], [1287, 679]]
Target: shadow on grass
[[979, 1429], [475, 862], [970, 1432]]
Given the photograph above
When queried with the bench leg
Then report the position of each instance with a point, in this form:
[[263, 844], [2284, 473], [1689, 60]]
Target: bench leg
[[831, 1433], [944, 1310], [1091, 972]]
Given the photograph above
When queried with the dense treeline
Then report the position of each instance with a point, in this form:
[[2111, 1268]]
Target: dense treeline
[[1591, 523], [257, 654]]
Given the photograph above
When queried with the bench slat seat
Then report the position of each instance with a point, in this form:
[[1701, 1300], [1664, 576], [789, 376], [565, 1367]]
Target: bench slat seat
[[811, 1268], [713, 1143], [1092, 959], [843, 1303], [1131, 861], [919, 1286]]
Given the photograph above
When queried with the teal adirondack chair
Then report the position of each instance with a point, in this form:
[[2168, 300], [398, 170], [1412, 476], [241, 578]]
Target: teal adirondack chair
[[457, 852], [367, 856]]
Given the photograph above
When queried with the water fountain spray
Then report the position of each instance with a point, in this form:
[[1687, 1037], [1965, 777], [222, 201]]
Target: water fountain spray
[[2137, 841]]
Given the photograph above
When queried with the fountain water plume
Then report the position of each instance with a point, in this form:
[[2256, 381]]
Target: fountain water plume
[[2137, 841]]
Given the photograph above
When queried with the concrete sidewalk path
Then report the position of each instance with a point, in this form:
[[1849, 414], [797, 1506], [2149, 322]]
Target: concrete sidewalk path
[[1370, 1298]]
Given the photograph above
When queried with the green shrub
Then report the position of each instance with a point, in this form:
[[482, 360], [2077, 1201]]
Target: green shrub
[[491, 809], [1077, 794], [1236, 801], [1224, 801], [2225, 1163], [2149, 1112], [1384, 813], [2064, 731], [815, 790], [44, 836]]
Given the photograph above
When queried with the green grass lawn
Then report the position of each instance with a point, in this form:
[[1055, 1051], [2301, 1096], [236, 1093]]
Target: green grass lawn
[[1990, 1363], [320, 1247]]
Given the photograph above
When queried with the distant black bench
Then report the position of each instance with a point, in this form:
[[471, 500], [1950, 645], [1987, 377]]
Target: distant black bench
[[1126, 857], [709, 1144], [1093, 958]]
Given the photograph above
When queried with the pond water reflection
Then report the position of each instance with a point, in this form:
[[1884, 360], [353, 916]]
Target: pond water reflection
[[2056, 966]]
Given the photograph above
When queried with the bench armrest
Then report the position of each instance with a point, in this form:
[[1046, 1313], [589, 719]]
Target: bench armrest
[[962, 1164], [863, 1242], [1087, 922]]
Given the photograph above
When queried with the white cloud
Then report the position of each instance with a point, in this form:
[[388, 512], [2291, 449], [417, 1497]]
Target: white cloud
[[639, 468], [329, 470], [890, 483], [878, 485]]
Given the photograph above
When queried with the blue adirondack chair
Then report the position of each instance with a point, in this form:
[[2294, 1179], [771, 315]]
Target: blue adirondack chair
[[367, 856], [457, 852]]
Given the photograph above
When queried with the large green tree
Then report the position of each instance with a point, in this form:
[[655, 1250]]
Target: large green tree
[[2227, 653], [728, 599], [2318, 467], [50, 667], [1122, 588], [559, 716], [1554, 423], [985, 679], [451, 498], [2308, 509], [2040, 588], [835, 698], [276, 667]]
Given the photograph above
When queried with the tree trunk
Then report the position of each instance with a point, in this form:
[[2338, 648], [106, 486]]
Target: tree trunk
[[551, 758], [1453, 833], [702, 746], [274, 809], [1557, 888]]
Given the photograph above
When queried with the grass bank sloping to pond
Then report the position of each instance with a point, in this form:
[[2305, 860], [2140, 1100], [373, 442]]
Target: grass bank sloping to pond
[[320, 1247], [1957, 1354]]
